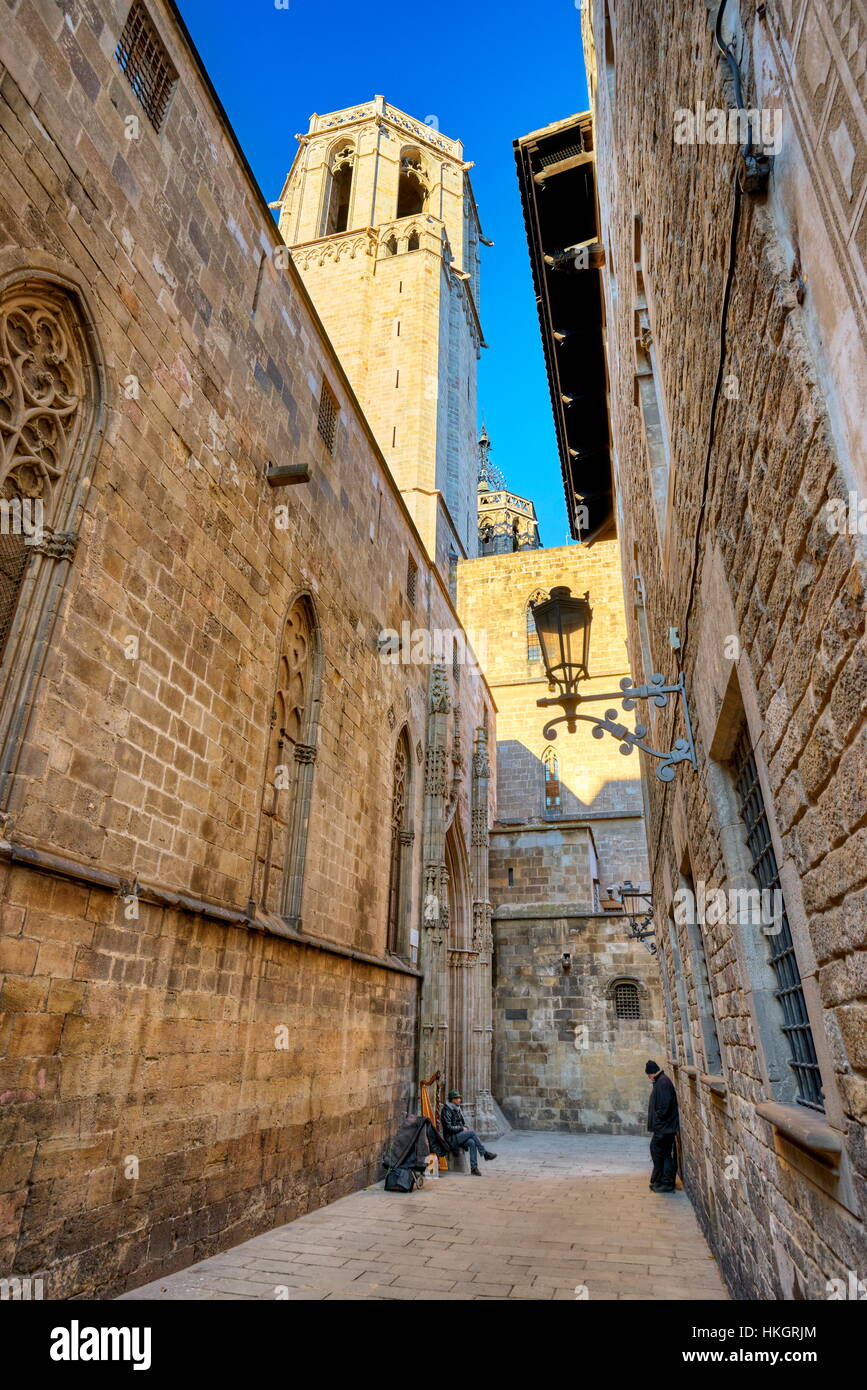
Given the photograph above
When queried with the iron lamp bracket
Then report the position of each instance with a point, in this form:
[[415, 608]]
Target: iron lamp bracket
[[629, 694]]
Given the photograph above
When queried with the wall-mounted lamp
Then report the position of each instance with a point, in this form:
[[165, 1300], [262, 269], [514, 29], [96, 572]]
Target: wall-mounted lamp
[[637, 904], [563, 624]]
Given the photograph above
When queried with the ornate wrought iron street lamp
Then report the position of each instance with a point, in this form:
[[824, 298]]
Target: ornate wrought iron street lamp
[[637, 903], [563, 624]]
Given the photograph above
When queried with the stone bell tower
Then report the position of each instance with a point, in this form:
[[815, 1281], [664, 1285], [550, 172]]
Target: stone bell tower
[[379, 212]]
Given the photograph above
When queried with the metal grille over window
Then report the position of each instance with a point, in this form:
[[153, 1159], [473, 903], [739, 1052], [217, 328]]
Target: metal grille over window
[[552, 780], [328, 417], [627, 1003], [534, 651], [13, 562], [789, 991], [143, 57], [411, 579]]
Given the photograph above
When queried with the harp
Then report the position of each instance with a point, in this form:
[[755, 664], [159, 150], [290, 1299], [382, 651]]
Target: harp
[[431, 1101]]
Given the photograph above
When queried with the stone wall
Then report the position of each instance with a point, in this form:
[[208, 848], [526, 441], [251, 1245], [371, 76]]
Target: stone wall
[[730, 536], [157, 1005], [563, 1060]]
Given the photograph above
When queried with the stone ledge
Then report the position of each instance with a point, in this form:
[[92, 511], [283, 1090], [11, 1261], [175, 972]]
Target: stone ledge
[[805, 1129], [46, 861], [550, 912], [716, 1084]]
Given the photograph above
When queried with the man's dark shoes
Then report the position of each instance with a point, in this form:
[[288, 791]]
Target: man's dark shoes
[[474, 1173], [660, 1188], [488, 1157]]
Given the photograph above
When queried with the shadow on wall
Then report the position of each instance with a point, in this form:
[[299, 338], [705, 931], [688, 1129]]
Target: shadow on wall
[[530, 786]]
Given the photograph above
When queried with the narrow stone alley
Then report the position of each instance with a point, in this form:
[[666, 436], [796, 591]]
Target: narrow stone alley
[[553, 1216]]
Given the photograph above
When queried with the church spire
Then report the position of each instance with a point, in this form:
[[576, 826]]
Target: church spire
[[507, 522]]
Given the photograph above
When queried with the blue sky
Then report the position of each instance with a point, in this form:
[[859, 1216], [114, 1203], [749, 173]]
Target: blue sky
[[489, 72]]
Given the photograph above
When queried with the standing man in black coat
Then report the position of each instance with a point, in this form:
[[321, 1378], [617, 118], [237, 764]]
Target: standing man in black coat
[[663, 1122]]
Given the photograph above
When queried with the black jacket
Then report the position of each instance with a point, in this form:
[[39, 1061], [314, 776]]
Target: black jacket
[[662, 1110], [452, 1120], [418, 1136]]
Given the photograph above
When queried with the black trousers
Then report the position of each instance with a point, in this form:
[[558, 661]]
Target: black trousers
[[664, 1156]]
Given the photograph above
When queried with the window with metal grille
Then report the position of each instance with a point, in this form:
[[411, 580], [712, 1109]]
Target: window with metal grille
[[552, 780], [142, 56], [411, 579], [789, 991], [627, 1002], [456, 659], [13, 563], [534, 651], [327, 423]]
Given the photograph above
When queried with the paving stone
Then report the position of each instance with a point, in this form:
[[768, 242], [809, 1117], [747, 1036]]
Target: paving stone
[[572, 1202]]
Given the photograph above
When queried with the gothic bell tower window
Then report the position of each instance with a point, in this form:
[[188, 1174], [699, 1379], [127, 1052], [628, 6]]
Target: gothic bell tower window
[[339, 191], [412, 188]]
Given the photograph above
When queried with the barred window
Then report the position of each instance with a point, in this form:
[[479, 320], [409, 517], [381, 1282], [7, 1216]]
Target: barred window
[[142, 56], [627, 1003], [411, 579], [13, 562], [789, 991], [327, 423]]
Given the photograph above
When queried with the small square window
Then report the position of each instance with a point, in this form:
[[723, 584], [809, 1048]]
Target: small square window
[[327, 423], [149, 70], [627, 1002]]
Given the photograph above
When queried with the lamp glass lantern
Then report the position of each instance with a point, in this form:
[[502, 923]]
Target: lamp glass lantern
[[563, 624]]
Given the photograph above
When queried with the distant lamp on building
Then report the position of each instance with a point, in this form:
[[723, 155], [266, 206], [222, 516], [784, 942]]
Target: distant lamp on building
[[637, 904], [563, 624]]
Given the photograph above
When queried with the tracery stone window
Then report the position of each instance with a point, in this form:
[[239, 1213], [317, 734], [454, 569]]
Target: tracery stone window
[[338, 200], [50, 398], [534, 651], [291, 759], [400, 846], [552, 780], [413, 185]]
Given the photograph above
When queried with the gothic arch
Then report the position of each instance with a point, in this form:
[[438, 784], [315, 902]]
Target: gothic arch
[[413, 183], [51, 409], [400, 845], [291, 760], [460, 896], [551, 774], [534, 651], [338, 187]]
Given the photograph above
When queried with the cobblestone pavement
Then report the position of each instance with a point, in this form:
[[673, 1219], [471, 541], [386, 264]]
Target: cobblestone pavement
[[554, 1211]]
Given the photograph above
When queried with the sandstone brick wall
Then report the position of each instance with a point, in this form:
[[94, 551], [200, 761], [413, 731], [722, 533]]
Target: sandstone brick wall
[[563, 1060], [155, 1037], [768, 600]]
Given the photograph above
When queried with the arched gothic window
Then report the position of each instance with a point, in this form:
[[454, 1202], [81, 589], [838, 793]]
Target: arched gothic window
[[389, 246], [413, 242], [50, 408], [552, 780], [401, 844], [412, 188], [339, 190], [534, 651], [291, 758]]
